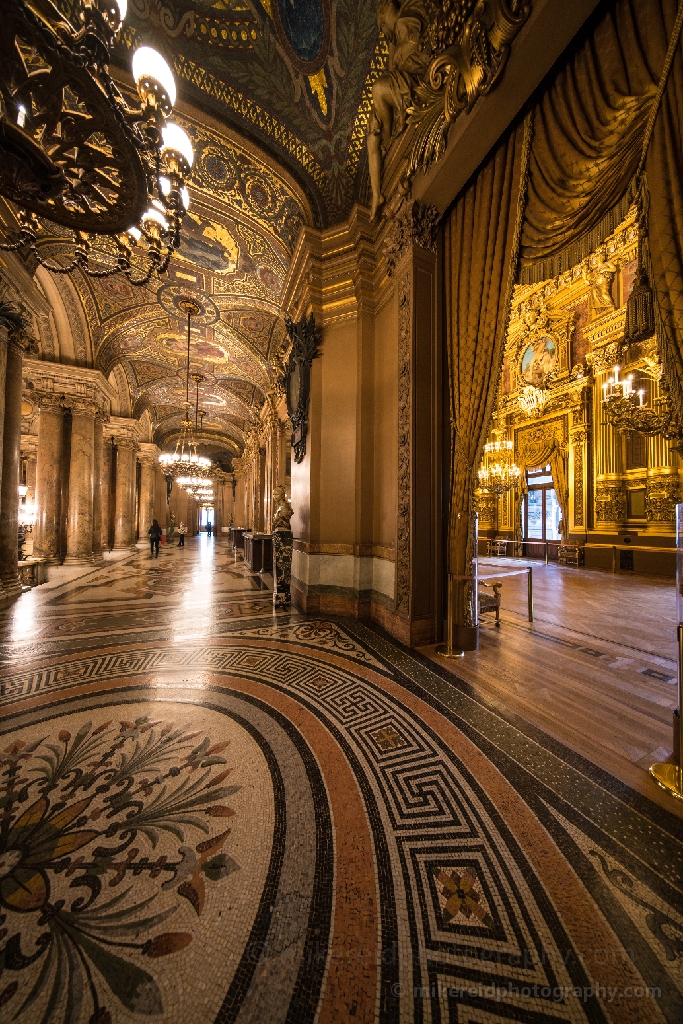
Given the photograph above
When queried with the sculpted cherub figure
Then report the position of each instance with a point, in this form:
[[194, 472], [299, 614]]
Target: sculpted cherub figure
[[403, 25], [600, 279]]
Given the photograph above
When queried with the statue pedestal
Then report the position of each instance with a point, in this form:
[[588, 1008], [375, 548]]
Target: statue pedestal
[[282, 568]]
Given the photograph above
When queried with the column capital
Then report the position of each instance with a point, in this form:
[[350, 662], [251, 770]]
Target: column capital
[[81, 405], [148, 453], [126, 443], [415, 224]]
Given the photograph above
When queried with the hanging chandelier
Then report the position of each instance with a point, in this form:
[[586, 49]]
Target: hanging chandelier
[[532, 400], [73, 153], [498, 473], [631, 409], [185, 456]]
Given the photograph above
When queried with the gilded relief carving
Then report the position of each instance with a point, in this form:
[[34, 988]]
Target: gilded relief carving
[[404, 448], [610, 503], [578, 484], [661, 498], [415, 224], [535, 444]]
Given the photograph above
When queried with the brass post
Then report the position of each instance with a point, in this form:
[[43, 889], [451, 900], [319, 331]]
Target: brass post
[[546, 552], [446, 650], [670, 776], [530, 594], [614, 558]]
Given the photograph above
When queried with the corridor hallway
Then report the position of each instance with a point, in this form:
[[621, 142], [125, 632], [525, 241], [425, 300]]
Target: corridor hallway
[[218, 812]]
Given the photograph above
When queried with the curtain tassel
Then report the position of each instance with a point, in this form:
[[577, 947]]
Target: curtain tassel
[[640, 310]]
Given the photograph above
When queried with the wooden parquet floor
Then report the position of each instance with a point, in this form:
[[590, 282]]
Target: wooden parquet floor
[[596, 669]]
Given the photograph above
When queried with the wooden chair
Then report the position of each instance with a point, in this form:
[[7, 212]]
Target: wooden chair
[[490, 602]]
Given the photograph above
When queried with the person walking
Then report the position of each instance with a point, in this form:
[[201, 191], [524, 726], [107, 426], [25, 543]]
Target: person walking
[[182, 530], [154, 533], [209, 529]]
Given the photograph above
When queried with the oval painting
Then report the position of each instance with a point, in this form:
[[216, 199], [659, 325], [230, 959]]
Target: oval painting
[[304, 25], [538, 360]]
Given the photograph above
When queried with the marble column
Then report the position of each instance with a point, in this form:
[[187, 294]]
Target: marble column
[[9, 495], [98, 446], [49, 478], [105, 493], [124, 517], [4, 342], [147, 492], [79, 525]]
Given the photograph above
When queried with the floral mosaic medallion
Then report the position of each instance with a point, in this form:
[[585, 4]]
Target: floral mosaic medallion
[[461, 897], [129, 879]]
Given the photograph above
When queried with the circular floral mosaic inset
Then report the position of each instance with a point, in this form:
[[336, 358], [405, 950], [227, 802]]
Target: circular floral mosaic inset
[[123, 847]]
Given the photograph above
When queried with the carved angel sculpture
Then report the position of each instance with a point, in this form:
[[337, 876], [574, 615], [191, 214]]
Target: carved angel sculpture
[[600, 280], [404, 25]]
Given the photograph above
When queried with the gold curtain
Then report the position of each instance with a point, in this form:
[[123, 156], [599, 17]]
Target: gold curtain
[[588, 136], [480, 254], [558, 468]]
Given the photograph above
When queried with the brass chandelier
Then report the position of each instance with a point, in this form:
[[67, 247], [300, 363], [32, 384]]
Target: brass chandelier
[[75, 154], [498, 473], [185, 457], [630, 409]]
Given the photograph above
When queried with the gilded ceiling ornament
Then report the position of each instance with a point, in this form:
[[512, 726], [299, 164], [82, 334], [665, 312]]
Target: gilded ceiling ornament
[[471, 43], [415, 224]]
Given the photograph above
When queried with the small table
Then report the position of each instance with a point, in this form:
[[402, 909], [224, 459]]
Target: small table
[[570, 554], [258, 552]]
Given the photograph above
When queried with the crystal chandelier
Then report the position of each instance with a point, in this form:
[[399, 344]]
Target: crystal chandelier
[[629, 409], [74, 153], [498, 473], [532, 400], [185, 456], [200, 488]]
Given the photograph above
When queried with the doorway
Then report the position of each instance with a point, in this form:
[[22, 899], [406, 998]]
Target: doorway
[[541, 515], [206, 520]]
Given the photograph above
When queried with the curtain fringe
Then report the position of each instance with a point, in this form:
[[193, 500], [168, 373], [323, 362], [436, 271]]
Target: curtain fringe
[[553, 266]]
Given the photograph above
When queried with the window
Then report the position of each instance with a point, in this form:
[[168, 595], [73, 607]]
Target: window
[[541, 513]]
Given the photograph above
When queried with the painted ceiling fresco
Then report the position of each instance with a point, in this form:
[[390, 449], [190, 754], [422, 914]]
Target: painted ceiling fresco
[[237, 241], [295, 75]]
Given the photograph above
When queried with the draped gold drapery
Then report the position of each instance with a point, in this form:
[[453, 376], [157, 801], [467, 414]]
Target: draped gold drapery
[[481, 242], [589, 127]]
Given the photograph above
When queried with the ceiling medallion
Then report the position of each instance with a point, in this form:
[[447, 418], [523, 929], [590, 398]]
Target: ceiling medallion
[[74, 153]]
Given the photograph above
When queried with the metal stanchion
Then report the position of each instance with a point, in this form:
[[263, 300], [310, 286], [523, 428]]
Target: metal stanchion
[[446, 650], [614, 558], [546, 552], [530, 594], [670, 776]]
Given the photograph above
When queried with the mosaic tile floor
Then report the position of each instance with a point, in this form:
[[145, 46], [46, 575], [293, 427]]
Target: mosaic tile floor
[[211, 812]]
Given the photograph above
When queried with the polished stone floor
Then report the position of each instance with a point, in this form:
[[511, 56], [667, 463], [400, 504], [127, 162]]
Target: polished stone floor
[[213, 812]]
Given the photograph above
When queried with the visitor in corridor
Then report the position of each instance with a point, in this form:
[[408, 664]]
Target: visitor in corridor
[[182, 530], [154, 538], [209, 529]]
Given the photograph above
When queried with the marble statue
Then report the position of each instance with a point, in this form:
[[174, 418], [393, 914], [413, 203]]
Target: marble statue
[[403, 25], [283, 542], [283, 510]]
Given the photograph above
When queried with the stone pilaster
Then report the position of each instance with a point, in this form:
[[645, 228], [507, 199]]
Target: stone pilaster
[[124, 516], [411, 261], [9, 495], [49, 478]]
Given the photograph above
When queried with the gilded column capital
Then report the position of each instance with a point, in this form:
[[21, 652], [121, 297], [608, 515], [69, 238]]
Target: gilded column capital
[[417, 224], [148, 454]]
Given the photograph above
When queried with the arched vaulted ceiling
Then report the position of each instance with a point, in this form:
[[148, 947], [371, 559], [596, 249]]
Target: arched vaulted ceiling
[[293, 75], [237, 239]]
